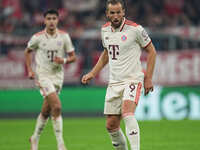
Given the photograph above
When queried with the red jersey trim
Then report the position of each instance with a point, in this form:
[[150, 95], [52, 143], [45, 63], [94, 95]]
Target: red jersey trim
[[131, 23], [122, 26], [147, 44], [106, 25], [128, 22]]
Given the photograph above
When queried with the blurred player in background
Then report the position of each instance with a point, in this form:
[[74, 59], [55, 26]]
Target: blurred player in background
[[50, 45], [123, 41]]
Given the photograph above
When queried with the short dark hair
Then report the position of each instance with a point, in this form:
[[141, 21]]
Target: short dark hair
[[113, 2], [51, 11]]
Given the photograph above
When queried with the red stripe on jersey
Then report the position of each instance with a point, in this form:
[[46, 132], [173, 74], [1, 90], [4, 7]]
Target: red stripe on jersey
[[122, 26], [39, 33], [131, 23], [106, 25], [138, 92], [147, 45]]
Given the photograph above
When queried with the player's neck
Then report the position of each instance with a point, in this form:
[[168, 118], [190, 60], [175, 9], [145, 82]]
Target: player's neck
[[119, 26], [114, 27], [51, 32]]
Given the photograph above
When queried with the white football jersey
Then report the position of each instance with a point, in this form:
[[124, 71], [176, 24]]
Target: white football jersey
[[124, 46], [47, 47]]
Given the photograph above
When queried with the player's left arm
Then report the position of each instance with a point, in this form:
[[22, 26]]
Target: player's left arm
[[71, 57], [151, 58], [69, 49]]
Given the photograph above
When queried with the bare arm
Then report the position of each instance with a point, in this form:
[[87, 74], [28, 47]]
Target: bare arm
[[103, 60], [28, 61], [151, 58], [71, 58]]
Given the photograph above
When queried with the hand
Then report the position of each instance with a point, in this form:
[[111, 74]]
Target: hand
[[148, 86], [31, 75], [58, 60], [86, 78]]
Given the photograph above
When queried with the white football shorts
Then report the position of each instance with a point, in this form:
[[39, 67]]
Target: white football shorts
[[49, 85], [116, 94]]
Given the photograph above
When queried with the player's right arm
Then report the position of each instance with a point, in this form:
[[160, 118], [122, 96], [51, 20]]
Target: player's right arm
[[28, 61], [32, 45], [103, 60]]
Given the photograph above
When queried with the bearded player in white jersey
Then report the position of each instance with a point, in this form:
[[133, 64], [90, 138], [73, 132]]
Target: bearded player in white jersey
[[50, 46], [123, 41]]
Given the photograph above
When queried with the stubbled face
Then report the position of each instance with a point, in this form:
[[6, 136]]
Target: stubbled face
[[115, 13], [51, 21]]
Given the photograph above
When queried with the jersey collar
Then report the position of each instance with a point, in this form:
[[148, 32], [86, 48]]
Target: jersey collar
[[51, 36], [120, 28]]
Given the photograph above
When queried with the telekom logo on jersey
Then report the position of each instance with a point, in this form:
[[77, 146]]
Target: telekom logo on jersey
[[51, 54], [114, 51]]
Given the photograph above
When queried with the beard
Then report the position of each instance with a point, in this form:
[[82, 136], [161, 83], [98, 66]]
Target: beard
[[116, 23]]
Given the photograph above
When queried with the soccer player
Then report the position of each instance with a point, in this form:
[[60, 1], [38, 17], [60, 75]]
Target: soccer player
[[123, 41], [51, 45]]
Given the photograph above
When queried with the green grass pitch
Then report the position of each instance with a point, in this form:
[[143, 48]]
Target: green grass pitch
[[90, 134]]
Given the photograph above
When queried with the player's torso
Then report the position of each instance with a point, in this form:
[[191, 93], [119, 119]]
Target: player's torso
[[48, 48], [120, 45], [124, 54]]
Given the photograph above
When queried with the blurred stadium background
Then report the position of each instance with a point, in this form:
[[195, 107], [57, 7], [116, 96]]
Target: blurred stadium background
[[174, 27]]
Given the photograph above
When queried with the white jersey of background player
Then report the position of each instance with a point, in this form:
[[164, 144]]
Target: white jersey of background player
[[124, 47], [123, 41], [47, 47], [50, 46]]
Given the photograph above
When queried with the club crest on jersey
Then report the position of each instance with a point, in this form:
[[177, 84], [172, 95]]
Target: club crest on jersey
[[107, 38], [124, 37], [59, 43]]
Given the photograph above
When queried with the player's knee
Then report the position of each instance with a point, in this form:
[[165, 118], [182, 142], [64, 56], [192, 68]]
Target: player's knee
[[56, 109], [45, 115], [128, 107], [111, 126]]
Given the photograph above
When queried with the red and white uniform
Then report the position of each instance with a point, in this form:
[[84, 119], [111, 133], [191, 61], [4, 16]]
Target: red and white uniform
[[124, 46], [50, 74]]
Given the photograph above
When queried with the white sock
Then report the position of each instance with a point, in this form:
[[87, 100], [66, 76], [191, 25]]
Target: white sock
[[58, 129], [118, 140], [132, 131], [40, 124]]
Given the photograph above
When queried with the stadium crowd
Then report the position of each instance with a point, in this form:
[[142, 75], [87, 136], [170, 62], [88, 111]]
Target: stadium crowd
[[19, 16], [22, 18]]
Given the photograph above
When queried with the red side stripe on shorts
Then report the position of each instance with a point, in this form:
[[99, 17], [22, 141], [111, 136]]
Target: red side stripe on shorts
[[138, 92]]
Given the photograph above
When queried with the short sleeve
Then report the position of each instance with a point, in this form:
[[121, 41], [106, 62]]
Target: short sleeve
[[68, 44], [142, 37], [33, 43], [102, 39]]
